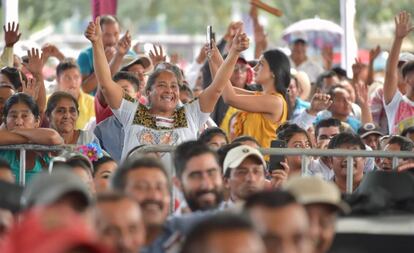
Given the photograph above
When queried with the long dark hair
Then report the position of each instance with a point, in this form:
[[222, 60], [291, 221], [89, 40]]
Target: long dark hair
[[280, 67]]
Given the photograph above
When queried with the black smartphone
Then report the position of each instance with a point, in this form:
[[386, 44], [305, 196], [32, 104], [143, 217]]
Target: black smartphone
[[210, 36], [275, 160]]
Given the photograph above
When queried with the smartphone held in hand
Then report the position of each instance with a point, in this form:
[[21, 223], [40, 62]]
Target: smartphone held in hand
[[210, 36], [275, 160]]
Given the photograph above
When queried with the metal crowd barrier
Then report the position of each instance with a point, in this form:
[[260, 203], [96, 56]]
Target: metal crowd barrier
[[306, 153], [23, 147]]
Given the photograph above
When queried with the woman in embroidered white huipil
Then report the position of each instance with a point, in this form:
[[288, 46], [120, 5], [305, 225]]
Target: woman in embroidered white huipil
[[162, 121]]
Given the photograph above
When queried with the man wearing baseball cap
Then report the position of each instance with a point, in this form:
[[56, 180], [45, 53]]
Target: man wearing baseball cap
[[61, 188], [370, 134], [322, 201], [244, 173], [139, 66]]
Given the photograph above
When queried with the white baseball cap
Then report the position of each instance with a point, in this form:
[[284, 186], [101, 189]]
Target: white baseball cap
[[237, 155]]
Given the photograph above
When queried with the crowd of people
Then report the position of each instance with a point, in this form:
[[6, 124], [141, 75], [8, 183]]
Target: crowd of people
[[216, 192]]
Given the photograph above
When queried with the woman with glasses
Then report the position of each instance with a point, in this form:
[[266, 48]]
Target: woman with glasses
[[163, 120], [22, 119]]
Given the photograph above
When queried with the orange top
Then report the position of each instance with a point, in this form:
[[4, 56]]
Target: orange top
[[258, 126]]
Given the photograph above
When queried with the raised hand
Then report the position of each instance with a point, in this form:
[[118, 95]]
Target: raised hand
[[35, 62], [93, 31], [232, 30], [373, 53], [31, 88], [50, 50], [157, 56], [124, 44], [240, 41], [403, 24], [213, 53], [11, 34], [319, 103], [357, 68], [361, 93]]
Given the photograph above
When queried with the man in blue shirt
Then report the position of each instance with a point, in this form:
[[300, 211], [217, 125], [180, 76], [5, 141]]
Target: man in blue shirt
[[110, 36]]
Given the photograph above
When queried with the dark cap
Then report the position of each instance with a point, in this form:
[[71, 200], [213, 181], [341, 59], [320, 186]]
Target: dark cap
[[368, 129]]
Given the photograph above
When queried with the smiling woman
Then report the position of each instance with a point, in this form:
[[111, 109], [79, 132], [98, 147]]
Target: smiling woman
[[62, 112], [164, 120]]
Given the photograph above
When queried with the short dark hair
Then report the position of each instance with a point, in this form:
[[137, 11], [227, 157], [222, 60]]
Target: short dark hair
[[299, 41], [128, 76], [270, 199], [404, 143], [407, 131], [209, 133], [120, 175], [187, 150], [223, 222], [56, 97], [346, 138], [340, 72], [15, 76], [329, 122], [64, 65], [99, 162], [407, 68], [243, 138], [108, 19], [185, 88], [112, 196]]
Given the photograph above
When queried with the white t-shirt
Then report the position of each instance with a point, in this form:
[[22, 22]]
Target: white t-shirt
[[400, 113], [311, 68], [141, 127]]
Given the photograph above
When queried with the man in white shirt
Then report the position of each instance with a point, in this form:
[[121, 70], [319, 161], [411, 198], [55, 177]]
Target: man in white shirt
[[301, 62]]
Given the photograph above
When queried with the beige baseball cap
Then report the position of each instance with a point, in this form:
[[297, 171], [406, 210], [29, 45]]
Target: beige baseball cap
[[315, 190], [237, 155]]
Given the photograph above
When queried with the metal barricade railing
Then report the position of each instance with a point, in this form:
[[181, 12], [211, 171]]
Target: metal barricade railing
[[306, 153], [22, 158]]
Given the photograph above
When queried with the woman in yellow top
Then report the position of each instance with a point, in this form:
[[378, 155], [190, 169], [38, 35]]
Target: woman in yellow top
[[261, 112]]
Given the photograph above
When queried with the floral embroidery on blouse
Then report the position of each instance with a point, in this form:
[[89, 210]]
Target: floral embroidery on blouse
[[143, 116]]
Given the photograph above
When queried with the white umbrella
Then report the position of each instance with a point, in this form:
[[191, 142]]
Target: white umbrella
[[317, 32]]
